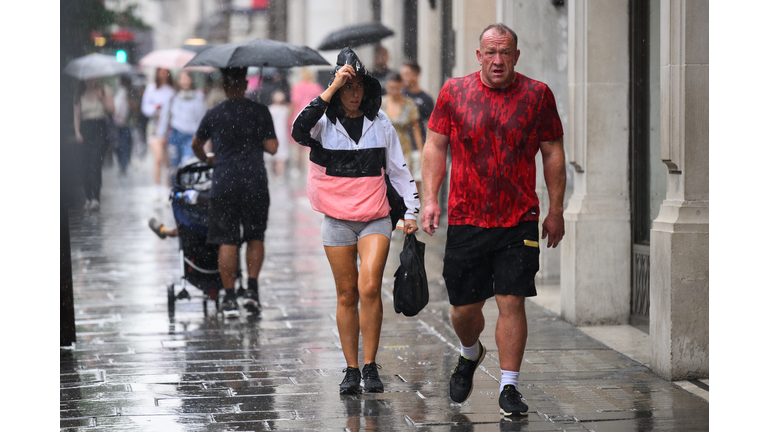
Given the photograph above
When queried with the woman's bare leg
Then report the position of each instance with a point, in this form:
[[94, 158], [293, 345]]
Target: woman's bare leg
[[161, 157], [343, 261], [373, 250]]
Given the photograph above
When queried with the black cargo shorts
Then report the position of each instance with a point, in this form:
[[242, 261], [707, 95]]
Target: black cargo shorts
[[482, 262]]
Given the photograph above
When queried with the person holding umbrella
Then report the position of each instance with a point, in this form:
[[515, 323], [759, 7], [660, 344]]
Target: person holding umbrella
[[93, 103], [353, 145], [240, 130], [156, 96]]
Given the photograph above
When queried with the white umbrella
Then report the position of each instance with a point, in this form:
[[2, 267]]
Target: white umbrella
[[174, 58], [96, 66]]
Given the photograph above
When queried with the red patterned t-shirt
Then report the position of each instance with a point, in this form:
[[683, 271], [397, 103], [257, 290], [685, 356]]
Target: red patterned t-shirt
[[494, 137]]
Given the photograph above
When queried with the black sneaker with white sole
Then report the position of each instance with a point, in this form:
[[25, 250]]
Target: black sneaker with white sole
[[371, 378], [351, 382], [250, 300], [511, 403], [228, 306], [461, 378]]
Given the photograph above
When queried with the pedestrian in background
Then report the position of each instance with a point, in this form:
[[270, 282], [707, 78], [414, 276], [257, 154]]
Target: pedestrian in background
[[381, 69], [405, 118], [261, 88], [281, 115], [302, 93], [93, 105], [156, 96], [410, 72], [353, 145], [142, 121], [179, 120], [214, 93], [240, 130], [122, 118], [495, 121]]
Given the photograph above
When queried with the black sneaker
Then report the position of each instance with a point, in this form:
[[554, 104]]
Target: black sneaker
[[510, 402], [461, 377], [156, 227], [371, 378], [250, 300], [351, 382], [228, 306]]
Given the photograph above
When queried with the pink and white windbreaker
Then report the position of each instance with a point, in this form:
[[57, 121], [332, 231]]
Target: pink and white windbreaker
[[346, 178]]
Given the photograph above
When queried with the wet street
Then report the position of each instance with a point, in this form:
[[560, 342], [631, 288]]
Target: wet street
[[134, 367]]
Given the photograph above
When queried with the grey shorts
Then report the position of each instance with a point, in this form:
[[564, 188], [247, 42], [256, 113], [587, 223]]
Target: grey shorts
[[337, 232]]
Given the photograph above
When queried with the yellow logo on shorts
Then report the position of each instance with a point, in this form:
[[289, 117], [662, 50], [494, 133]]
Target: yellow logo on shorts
[[531, 243]]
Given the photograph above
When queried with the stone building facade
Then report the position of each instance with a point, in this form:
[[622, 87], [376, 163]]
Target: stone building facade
[[631, 81]]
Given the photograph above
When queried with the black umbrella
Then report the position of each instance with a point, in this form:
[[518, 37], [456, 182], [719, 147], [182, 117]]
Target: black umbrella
[[257, 52], [354, 36]]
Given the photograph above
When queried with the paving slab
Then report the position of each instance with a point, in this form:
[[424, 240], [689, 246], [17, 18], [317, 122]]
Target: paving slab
[[134, 367]]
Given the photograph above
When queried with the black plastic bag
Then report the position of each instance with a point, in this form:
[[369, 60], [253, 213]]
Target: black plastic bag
[[411, 291]]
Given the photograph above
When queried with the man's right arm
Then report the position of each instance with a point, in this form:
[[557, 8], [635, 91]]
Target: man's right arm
[[200, 138], [198, 150], [432, 174]]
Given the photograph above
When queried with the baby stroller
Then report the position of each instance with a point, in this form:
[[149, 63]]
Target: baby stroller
[[198, 259]]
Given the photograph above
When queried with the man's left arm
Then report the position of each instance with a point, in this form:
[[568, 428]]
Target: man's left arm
[[268, 131], [553, 158], [270, 146]]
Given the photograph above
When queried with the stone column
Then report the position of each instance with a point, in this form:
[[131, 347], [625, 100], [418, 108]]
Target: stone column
[[595, 256], [297, 29], [392, 17], [429, 55], [679, 309], [469, 20]]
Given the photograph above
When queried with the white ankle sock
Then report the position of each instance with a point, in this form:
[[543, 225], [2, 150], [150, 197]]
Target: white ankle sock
[[508, 377], [472, 352]]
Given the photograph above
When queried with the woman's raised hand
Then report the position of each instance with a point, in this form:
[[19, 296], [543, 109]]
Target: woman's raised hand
[[343, 75]]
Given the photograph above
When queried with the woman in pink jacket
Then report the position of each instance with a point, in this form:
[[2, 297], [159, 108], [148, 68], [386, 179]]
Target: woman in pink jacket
[[353, 145]]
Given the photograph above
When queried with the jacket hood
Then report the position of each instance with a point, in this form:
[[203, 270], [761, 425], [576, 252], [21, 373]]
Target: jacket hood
[[371, 102]]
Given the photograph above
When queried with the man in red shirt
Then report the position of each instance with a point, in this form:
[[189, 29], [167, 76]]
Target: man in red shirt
[[495, 121]]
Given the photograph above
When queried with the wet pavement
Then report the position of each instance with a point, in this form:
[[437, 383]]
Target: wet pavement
[[135, 368]]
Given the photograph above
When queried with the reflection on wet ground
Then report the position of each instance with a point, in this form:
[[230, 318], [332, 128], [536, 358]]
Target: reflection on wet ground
[[134, 368]]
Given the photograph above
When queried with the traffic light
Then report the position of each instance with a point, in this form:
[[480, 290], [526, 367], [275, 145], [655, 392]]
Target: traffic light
[[121, 56]]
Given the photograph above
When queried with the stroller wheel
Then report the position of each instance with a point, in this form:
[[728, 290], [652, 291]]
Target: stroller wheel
[[171, 300]]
